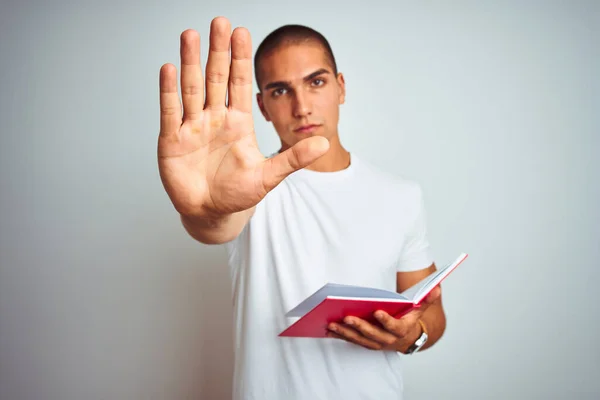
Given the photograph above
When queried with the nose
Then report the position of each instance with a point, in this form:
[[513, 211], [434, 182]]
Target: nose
[[301, 107]]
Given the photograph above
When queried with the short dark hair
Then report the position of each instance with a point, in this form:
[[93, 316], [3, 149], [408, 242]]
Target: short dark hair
[[291, 34]]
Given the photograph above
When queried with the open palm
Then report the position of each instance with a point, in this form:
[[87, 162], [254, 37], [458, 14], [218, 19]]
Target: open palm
[[208, 157]]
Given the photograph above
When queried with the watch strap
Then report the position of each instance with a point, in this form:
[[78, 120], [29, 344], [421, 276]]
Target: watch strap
[[421, 340]]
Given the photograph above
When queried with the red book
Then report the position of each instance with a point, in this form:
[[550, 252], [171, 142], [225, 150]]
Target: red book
[[333, 302]]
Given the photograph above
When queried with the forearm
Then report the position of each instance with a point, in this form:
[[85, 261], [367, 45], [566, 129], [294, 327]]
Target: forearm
[[216, 230], [434, 320]]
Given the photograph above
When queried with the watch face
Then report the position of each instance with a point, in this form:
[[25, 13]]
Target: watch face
[[418, 344]]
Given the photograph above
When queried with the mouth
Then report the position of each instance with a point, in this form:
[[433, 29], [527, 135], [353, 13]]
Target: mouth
[[309, 128]]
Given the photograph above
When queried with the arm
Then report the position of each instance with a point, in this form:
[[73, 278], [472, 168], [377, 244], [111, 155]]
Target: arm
[[416, 254], [209, 162], [433, 317], [217, 230]]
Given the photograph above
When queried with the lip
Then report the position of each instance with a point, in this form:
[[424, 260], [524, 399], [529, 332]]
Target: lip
[[309, 128]]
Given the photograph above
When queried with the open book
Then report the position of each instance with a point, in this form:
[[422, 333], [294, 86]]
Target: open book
[[333, 302]]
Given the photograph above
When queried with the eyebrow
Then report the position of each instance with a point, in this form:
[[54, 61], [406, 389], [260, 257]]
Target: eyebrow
[[279, 84]]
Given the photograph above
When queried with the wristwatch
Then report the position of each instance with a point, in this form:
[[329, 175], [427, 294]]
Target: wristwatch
[[416, 346]]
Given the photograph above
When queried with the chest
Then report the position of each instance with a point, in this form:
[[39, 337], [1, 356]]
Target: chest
[[333, 236]]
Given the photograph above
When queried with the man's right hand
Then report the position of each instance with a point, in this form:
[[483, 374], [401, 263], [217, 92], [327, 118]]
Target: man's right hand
[[208, 157]]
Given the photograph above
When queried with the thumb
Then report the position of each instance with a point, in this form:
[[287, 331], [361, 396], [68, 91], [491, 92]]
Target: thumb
[[302, 154], [434, 295]]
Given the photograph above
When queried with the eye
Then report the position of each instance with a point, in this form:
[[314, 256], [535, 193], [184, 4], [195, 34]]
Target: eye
[[318, 82], [278, 92]]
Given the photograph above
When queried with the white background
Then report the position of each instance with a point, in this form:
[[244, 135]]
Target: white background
[[491, 106]]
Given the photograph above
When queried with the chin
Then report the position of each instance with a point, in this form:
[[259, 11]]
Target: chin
[[293, 137]]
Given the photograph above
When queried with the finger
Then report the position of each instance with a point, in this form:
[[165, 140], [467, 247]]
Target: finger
[[240, 78], [302, 154], [371, 331], [192, 86], [400, 327], [170, 106], [334, 335], [433, 296], [217, 65], [354, 336]]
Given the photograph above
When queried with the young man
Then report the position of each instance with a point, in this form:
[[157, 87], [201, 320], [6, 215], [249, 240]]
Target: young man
[[312, 213]]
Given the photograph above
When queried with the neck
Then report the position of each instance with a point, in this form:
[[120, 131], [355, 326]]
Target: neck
[[337, 158]]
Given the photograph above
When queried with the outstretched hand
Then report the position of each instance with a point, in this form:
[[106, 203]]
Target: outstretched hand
[[208, 157], [396, 334]]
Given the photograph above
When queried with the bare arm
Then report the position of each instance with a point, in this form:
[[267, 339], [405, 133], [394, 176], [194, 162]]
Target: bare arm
[[208, 157], [216, 230], [433, 317]]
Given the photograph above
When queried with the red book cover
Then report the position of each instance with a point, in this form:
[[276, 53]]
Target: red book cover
[[333, 302], [314, 323]]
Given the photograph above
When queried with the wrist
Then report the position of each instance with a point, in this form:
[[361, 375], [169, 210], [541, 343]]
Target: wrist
[[211, 230], [418, 334], [210, 221]]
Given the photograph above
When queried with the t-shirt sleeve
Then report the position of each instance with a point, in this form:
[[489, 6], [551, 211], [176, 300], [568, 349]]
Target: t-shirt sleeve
[[416, 252]]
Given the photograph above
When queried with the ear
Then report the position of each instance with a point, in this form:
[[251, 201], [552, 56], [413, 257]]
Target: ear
[[342, 85], [261, 105]]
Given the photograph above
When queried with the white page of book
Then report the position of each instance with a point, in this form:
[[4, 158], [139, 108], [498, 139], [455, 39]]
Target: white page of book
[[419, 290], [340, 290]]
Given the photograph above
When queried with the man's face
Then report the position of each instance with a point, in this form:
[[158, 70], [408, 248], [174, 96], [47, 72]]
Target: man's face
[[300, 93]]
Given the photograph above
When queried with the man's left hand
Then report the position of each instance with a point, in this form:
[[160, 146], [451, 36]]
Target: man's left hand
[[396, 334]]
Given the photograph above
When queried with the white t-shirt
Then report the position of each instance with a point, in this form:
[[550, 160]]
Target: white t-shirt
[[356, 226]]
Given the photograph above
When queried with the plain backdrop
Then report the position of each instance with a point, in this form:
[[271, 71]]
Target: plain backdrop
[[491, 106]]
